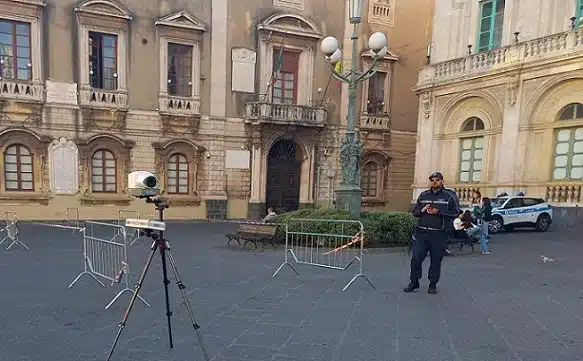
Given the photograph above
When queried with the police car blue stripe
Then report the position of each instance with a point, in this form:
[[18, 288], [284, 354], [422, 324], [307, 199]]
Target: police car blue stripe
[[507, 212]]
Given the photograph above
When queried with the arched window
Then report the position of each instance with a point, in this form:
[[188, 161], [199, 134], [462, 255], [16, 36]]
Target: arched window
[[18, 175], [473, 124], [177, 174], [571, 112], [103, 172], [368, 179], [568, 161], [471, 152]]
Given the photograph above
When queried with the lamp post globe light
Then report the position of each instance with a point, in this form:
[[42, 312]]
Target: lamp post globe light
[[349, 194]]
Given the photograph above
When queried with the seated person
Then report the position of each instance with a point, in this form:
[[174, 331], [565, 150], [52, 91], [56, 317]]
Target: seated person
[[463, 224], [270, 215]]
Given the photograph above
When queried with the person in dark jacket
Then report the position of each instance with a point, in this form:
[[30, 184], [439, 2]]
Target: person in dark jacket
[[486, 218], [436, 208]]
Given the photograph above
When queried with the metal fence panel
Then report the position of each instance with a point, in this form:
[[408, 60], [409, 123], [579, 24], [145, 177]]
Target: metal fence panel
[[328, 243], [105, 255], [9, 230]]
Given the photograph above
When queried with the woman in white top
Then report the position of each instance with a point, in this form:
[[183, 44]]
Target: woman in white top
[[464, 223]]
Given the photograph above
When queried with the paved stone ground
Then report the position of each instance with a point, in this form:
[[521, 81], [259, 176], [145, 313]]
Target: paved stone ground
[[509, 306]]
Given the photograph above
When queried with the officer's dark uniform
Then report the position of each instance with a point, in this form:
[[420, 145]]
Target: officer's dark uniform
[[431, 233]]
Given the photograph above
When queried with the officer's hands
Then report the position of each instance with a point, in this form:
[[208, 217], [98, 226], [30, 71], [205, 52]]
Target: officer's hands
[[425, 208], [433, 211]]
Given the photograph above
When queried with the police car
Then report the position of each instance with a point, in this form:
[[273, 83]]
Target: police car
[[513, 212]]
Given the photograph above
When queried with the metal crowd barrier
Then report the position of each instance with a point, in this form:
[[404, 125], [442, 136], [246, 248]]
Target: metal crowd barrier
[[9, 229], [132, 234], [105, 255], [310, 242]]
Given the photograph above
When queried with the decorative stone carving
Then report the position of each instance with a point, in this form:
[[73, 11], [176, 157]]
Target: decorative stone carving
[[103, 8], [512, 86], [121, 148], [104, 120], [35, 117], [243, 70], [179, 125], [426, 101], [64, 166], [253, 133], [193, 154], [182, 19]]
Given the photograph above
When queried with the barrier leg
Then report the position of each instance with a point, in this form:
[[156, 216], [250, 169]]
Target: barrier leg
[[16, 241], [12, 233], [360, 274], [86, 272], [285, 262], [354, 279], [122, 292]]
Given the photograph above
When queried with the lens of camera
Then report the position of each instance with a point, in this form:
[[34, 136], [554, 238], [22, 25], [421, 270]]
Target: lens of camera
[[150, 182]]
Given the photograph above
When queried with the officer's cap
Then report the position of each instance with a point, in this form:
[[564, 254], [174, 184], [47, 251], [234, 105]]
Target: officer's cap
[[436, 175]]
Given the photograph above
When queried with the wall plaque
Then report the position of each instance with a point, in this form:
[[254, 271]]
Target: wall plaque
[[61, 93], [64, 166], [243, 70], [237, 159]]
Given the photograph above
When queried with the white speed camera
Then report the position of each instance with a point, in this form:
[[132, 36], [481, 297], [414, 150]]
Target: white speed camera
[[143, 184]]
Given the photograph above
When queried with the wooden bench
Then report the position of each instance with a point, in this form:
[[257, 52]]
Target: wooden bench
[[249, 232]]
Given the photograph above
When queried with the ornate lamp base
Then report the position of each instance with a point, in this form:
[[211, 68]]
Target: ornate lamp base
[[349, 199]]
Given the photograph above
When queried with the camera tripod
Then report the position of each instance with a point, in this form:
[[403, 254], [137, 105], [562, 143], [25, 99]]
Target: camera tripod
[[164, 246]]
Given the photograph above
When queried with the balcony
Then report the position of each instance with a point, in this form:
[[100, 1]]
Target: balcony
[[103, 99], [540, 50], [292, 114], [565, 193], [21, 91], [378, 122], [179, 106]]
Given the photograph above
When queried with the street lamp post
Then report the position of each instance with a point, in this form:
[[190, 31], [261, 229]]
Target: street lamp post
[[349, 194]]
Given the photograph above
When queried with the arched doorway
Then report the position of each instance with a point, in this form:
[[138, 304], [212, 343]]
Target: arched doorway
[[283, 175]]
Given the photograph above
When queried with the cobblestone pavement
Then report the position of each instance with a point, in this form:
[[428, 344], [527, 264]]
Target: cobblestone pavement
[[508, 306]]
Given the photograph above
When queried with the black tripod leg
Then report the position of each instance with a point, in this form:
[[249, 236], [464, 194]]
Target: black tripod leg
[[133, 300], [166, 282], [182, 288]]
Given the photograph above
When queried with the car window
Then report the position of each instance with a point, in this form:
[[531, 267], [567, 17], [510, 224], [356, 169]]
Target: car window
[[514, 203], [497, 202], [529, 202]]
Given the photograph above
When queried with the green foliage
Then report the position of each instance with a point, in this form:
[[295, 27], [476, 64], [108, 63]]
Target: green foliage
[[382, 229]]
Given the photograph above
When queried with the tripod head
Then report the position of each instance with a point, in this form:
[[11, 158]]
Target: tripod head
[[160, 203]]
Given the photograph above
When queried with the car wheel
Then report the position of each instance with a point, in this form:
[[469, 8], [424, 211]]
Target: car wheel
[[543, 223], [496, 225]]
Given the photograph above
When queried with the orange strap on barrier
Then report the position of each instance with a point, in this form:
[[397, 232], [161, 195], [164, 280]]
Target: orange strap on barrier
[[357, 238]]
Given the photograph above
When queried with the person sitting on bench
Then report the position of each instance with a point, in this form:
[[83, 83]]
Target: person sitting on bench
[[464, 228], [270, 215]]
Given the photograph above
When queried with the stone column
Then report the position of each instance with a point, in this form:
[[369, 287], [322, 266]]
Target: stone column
[[216, 199], [508, 150], [427, 150], [256, 207], [307, 178], [218, 78]]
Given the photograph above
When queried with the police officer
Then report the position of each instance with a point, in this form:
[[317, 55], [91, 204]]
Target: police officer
[[436, 209]]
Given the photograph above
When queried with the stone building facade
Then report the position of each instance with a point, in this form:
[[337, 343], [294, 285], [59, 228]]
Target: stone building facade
[[501, 104], [94, 89]]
